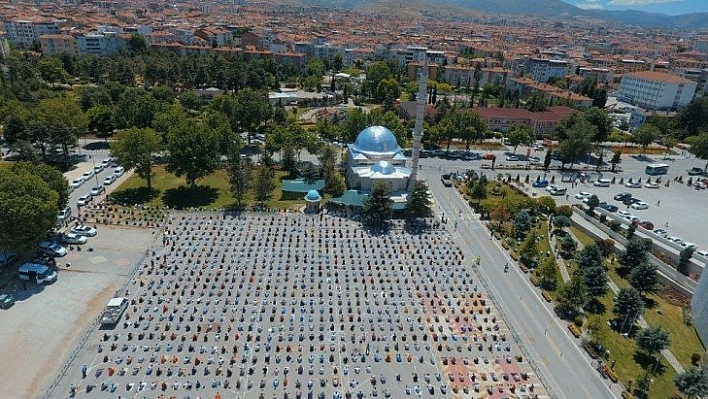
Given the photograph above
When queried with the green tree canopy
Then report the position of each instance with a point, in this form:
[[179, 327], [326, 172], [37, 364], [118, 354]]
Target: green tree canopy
[[699, 147], [589, 256], [418, 204], [596, 281], [520, 135], [572, 295], [635, 253], [646, 135], [602, 121], [652, 340], [194, 151], [522, 223], [29, 210], [239, 171], [693, 383], [629, 305], [644, 277], [52, 176], [134, 148], [378, 207]]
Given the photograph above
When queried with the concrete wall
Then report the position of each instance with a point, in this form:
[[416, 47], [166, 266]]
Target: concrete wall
[[699, 308]]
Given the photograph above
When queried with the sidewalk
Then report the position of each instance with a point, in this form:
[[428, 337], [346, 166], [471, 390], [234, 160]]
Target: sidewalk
[[642, 323]]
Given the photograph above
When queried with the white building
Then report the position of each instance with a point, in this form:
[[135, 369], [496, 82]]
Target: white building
[[656, 91], [541, 69], [376, 157], [25, 33]]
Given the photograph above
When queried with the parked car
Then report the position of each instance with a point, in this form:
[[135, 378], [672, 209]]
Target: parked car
[[632, 219], [639, 205], [687, 244], [602, 183], [98, 168], [118, 172], [51, 248], [622, 196], [88, 175], [83, 230], [695, 171], [661, 232], [582, 195], [646, 224], [558, 190], [107, 162], [651, 185], [630, 201], [84, 200], [6, 301], [540, 183], [489, 157], [703, 253], [512, 158], [98, 190], [633, 184], [108, 180], [76, 183], [72, 238], [675, 239], [624, 213], [609, 208]]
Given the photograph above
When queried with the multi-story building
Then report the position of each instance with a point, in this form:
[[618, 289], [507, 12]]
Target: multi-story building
[[542, 69], [215, 36], [59, 44], [502, 119], [25, 33], [656, 91], [101, 43]]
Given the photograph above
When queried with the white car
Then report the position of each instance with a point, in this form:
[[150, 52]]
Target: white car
[[118, 172], [76, 183], [602, 183], [83, 230], [703, 253], [98, 190], [582, 195], [675, 239], [52, 249], [98, 169], [88, 175], [106, 162], [624, 213], [558, 190], [639, 205], [109, 180], [651, 185], [687, 244], [71, 238], [84, 200], [661, 232], [632, 219], [633, 184]]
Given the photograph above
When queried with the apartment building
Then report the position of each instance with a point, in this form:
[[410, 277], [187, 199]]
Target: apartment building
[[542, 69], [25, 33], [59, 44], [656, 91], [502, 119]]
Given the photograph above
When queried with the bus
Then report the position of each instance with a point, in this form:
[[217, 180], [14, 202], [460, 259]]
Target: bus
[[656, 169]]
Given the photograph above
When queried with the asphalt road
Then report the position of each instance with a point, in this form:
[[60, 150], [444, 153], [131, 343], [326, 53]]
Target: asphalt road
[[559, 359]]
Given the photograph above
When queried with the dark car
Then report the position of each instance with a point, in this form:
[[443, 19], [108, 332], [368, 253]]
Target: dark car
[[646, 224], [489, 157], [631, 200], [622, 196], [6, 301], [540, 183], [609, 208], [695, 171]]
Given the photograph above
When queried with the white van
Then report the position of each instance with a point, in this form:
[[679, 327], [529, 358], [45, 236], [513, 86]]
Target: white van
[[35, 272], [63, 216], [602, 183]]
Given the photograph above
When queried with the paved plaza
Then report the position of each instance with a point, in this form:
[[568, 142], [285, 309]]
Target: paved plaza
[[281, 305]]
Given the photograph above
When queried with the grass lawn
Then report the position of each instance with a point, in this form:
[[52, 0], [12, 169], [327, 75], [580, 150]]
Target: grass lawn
[[211, 192]]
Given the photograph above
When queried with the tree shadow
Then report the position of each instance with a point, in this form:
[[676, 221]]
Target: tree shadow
[[96, 145], [649, 303], [649, 362], [596, 307], [190, 197], [135, 195]]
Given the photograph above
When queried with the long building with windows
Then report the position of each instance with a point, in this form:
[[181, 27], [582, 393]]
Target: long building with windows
[[656, 91]]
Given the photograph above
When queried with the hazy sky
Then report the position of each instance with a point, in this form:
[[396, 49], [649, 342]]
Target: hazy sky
[[670, 7]]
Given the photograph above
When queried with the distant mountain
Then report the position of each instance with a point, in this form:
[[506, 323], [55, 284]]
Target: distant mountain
[[552, 9]]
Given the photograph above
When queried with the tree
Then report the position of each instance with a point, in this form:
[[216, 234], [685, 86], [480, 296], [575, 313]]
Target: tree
[[264, 182], [616, 158], [644, 277], [194, 151], [578, 141], [520, 134], [645, 135], [595, 279], [479, 189], [547, 159], [669, 143], [597, 328], [102, 120], [593, 202], [528, 253], [378, 206], [693, 383], [572, 295], [29, 210], [522, 223], [684, 258], [136, 108], [546, 271], [51, 70], [567, 245], [53, 177], [602, 121], [589, 256], [635, 253], [134, 148], [652, 340], [628, 305], [418, 203], [694, 118], [562, 221], [239, 171], [699, 148]]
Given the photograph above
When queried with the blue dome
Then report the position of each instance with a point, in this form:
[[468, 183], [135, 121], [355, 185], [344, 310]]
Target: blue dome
[[376, 139], [384, 167], [313, 195]]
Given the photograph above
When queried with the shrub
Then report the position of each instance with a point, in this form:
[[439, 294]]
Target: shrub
[[578, 320], [695, 358], [564, 210], [615, 225], [603, 218]]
